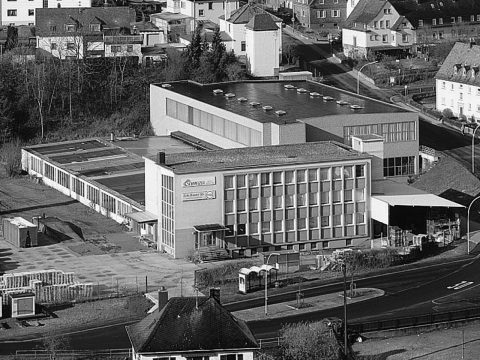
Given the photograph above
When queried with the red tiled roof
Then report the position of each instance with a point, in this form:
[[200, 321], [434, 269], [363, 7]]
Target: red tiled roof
[[182, 326]]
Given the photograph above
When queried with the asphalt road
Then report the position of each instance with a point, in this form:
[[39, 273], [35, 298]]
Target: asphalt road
[[407, 293]]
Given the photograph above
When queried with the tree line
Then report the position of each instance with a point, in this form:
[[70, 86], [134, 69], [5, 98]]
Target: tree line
[[48, 99]]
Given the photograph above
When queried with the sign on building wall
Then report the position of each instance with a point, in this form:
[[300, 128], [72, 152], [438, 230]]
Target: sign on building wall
[[199, 195], [203, 181]]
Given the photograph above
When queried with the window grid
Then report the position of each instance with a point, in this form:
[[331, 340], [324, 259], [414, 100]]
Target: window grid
[[294, 205], [168, 216]]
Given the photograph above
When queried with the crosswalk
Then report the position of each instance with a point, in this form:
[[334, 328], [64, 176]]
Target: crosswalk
[[460, 285]]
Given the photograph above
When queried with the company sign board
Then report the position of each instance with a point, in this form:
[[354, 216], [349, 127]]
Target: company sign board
[[201, 181], [199, 195]]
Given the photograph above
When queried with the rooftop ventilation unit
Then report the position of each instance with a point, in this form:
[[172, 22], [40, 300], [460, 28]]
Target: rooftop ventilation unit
[[342, 102], [229, 95], [254, 103], [289, 87], [217, 91], [328, 98], [315, 94], [267, 108], [280, 112], [242, 99], [302, 91], [166, 86]]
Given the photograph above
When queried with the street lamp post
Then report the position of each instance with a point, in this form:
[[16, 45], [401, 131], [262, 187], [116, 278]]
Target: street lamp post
[[358, 74], [345, 338], [468, 222], [473, 148], [266, 282]]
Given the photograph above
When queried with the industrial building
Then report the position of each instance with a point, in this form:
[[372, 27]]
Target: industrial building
[[107, 176], [286, 197], [260, 113]]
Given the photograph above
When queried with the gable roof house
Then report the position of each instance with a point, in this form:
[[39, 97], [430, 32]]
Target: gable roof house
[[191, 328], [320, 14], [438, 21], [458, 82], [77, 33], [376, 26]]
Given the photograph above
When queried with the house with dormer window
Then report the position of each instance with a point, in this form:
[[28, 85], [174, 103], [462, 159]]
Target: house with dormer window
[[376, 27], [88, 32], [458, 82]]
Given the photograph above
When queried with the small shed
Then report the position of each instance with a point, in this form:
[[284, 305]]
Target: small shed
[[22, 304], [20, 232], [250, 279]]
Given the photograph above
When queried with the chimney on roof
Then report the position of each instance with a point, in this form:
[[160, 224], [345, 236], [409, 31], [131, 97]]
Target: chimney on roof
[[112, 137], [161, 158], [215, 293], [162, 298]]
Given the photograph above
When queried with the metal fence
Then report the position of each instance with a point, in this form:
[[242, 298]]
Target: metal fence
[[111, 354], [415, 321]]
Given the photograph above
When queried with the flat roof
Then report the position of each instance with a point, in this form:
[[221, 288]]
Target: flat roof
[[273, 93], [117, 165], [262, 156]]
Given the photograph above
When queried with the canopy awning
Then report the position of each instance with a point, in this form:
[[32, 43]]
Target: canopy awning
[[257, 269], [428, 200], [142, 217], [209, 227]]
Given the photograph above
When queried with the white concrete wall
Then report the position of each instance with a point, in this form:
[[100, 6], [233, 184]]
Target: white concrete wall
[[23, 6], [187, 7], [27, 160], [136, 51], [460, 98], [61, 43], [263, 51], [164, 125]]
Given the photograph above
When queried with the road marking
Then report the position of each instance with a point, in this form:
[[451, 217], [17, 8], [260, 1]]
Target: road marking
[[460, 285]]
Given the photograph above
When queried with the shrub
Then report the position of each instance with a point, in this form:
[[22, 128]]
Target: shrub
[[10, 156], [222, 274], [313, 341], [448, 113]]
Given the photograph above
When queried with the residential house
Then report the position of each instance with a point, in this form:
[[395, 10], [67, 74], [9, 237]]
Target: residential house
[[22, 12], [247, 37], [320, 14], [439, 21], [201, 11], [376, 26], [88, 32], [458, 82], [191, 328], [173, 25]]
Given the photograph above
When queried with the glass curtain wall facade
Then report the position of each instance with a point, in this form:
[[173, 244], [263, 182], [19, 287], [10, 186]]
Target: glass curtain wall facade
[[284, 207], [168, 217]]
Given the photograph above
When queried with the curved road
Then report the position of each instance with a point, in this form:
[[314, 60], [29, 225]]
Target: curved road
[[407, 292]]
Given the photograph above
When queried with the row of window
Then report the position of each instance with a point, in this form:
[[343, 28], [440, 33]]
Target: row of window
[[453, 20], [460, 87], [405, 38], [168, 215], [216, 124], [318, 2], [14, 12], [301, 247], [222, 357], [322, 14], [468, 106], [294, 176], [399, 166], [391, 132]]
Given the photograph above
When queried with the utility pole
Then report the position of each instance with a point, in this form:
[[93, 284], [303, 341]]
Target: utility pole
[[345, 338]]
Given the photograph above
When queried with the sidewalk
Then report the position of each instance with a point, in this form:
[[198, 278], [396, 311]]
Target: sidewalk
[[310, 304]]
